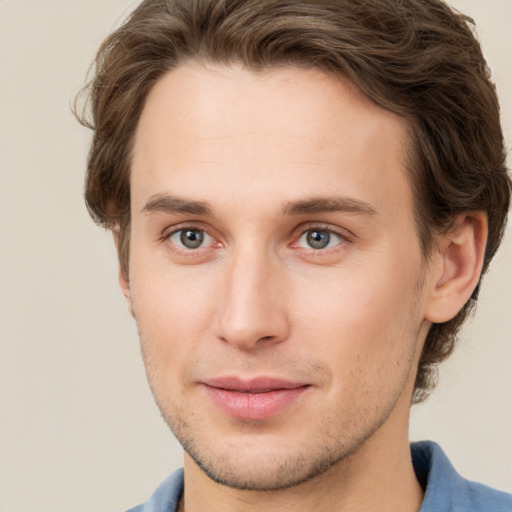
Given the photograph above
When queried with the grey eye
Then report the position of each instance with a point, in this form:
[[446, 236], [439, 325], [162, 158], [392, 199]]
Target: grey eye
[[189, 238], [318, 239], [192, 238]]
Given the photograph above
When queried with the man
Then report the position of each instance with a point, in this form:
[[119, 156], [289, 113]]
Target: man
[[304, 195]]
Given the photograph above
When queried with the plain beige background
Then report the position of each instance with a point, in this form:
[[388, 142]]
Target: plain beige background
[[78, 428]]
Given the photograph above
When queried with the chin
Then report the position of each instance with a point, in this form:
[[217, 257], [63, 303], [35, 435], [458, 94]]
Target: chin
[[264, 473], [260, 462]]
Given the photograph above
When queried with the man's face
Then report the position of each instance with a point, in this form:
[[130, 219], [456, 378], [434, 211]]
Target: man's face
[[275, 273]]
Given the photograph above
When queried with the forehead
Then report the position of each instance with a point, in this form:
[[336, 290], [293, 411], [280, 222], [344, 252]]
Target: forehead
[[283, 130]]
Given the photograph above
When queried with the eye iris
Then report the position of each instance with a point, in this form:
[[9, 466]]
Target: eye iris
[[318, 239], [192, 238]]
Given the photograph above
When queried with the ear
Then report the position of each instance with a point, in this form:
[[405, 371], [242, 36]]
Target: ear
[[123, 278], [460, 259]]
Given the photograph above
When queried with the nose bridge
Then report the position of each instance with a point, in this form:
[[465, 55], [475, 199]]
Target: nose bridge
[[252, 312]]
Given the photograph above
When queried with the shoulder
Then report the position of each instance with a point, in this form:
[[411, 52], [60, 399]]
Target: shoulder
[[167, 496], [446, 490]]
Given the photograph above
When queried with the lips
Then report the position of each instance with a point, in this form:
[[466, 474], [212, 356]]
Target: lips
[[254, 399]]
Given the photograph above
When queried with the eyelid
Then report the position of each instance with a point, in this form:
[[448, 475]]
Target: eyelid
[[190, 225], [344, 239], [181, 226], [205, 242], [343, 233]]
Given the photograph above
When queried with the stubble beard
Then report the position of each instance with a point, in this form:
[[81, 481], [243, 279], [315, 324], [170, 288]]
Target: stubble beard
[[315, 456], [305, 464], [325, 448]]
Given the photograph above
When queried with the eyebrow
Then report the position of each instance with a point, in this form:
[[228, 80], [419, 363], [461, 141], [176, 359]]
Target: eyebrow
[[165, 203], [329, 205]]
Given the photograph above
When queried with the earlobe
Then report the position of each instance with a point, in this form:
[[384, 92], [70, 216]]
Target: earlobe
[[461, 255]]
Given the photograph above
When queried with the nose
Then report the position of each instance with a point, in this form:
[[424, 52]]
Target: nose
[[252, 311]]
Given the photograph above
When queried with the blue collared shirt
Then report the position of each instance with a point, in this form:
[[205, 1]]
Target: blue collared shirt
[[445, 489]]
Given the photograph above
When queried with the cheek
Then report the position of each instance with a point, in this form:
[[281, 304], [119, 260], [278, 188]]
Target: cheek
[[172, 311], [363, 322]]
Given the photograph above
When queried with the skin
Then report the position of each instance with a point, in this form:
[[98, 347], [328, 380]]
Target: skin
[[254, 163]]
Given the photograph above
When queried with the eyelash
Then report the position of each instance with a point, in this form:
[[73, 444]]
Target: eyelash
[[166, 237], [342, 238]]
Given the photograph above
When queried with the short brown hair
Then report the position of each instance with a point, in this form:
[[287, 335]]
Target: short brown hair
[[417, 58]]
